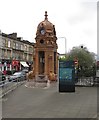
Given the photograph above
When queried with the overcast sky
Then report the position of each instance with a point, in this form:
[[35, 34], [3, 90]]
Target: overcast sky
[[74, 20]]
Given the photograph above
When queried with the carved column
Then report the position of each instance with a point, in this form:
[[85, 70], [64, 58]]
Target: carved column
[[46, 63], [36, 63], [56, 63]]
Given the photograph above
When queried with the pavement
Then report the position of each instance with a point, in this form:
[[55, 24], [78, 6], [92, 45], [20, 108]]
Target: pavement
[[47, 102]]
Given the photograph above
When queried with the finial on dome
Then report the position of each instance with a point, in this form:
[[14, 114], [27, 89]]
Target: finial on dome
[[46, 15]]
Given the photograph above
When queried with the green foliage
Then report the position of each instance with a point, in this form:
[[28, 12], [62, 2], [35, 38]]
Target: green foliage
[[63, 58], [86, 59]]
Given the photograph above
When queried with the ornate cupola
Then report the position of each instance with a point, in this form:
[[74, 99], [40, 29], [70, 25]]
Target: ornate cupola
[[46, 34], [45, 57]]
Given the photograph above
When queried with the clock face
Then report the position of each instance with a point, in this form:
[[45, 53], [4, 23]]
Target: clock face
[[42, 31]]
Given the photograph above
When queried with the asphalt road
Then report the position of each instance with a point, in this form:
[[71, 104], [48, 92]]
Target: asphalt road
[[26, 102]]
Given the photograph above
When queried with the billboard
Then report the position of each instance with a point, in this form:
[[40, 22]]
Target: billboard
[[66, 76]]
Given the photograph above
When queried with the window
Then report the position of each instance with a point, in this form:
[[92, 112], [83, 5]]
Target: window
[[4, 42], [9, 43], [14, 44], [22, 47], [30, 49], [17, 45], [25, 47], [3, 51], [8, 54]]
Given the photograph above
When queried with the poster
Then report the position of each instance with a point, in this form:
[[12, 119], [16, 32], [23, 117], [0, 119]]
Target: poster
[[65, 74]]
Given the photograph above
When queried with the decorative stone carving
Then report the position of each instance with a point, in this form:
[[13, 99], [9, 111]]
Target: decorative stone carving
[[45, 58]]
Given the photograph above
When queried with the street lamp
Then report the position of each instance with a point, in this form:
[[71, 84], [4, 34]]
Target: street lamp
[[65, 43]]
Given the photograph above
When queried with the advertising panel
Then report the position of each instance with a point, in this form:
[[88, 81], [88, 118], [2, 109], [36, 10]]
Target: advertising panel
[[66, 76]]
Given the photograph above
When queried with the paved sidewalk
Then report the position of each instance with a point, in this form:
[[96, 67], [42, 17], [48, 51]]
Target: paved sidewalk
[[27, 102]]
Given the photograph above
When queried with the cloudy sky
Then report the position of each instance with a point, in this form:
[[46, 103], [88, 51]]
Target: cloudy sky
[[75, 20]]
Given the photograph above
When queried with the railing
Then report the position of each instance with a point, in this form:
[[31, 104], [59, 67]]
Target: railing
[[96, 81], [6, 86], [85, 81]]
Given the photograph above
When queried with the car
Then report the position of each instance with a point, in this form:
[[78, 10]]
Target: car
[[2, 77], [18, 76], [25, 70]]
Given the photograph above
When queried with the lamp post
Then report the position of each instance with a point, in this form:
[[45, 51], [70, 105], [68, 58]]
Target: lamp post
[[65, 50], [65, 43]]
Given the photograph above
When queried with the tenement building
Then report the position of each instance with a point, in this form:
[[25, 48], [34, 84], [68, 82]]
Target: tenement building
[[15, 53]]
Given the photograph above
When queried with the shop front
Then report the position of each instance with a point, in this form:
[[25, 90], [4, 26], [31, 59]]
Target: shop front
[[23, 65], [15, 65], [5, 65]]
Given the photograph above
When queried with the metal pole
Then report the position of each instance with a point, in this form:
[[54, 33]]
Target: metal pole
[[65, 44]]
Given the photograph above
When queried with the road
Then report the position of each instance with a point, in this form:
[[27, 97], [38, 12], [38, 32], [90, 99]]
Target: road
[[26, 102]]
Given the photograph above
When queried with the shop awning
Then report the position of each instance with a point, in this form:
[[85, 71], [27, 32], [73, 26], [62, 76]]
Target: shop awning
[[24, 64]]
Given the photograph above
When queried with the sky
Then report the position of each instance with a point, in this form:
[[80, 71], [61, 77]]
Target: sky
[[75, 20]]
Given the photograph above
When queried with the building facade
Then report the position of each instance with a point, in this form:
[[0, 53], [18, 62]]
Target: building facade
[[15, 53], [1, 45]]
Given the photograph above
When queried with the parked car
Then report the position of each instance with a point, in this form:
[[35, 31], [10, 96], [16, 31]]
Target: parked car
[[18, 76], [25, 70], [2, 76]]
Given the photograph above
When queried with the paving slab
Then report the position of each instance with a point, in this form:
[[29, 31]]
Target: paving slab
[[26, 102]]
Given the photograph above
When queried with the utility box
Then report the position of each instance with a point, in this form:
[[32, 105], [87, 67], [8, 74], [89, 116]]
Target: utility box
[[66, 76]]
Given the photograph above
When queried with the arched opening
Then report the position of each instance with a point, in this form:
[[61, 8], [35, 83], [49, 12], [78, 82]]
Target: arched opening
[[41, 62]]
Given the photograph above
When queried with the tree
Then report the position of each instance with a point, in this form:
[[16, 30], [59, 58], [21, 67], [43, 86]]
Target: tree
[[85, 59], [63, 58]]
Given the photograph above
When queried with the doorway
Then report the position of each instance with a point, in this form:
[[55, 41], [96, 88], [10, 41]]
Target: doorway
[[41, 62]]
